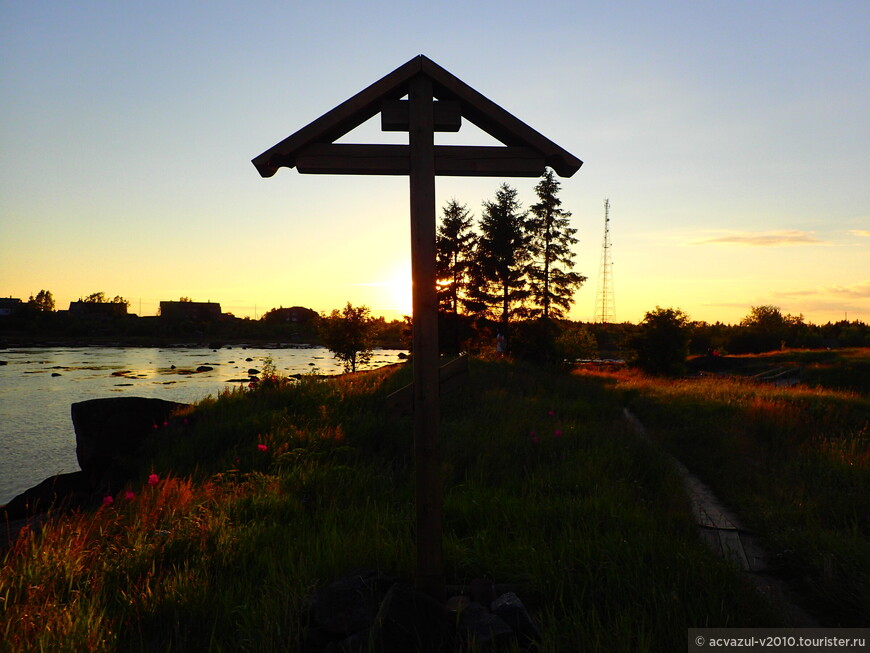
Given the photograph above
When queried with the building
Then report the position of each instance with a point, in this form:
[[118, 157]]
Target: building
[[292, 315], [98, 310], [190, 311], [10, 306]]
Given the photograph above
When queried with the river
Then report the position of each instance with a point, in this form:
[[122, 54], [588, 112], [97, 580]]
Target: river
[[38, 385]]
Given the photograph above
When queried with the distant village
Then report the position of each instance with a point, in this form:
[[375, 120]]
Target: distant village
[[99, 322]]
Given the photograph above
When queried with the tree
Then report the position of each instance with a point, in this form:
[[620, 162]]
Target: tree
[[349, 334], [661, 343], [502, 257], [576, 341], [552, 281], [96, 298], [767, 329], [117, 299], [43, 302], [454, 245], [100, 298]]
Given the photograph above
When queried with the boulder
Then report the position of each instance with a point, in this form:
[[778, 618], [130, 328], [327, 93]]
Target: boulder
[[480, 628], [349, 604], [411, 620], [109, 432], [510, 609], [71, 489]]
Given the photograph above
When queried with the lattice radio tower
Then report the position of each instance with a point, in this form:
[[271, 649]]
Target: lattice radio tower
[[604, 311]]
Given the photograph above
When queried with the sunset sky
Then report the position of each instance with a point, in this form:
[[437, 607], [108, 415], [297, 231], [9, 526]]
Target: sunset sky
[[732, 139]]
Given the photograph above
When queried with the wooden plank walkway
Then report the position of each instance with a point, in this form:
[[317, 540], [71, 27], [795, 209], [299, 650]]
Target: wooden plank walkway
[[722, 532]]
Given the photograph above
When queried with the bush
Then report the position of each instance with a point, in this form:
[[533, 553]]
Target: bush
[[661, 344]]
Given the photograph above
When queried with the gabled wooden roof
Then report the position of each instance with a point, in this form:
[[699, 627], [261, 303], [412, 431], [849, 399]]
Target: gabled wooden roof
[[476, 108]]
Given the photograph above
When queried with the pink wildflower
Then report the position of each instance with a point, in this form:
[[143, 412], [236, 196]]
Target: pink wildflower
[[129, 494], [535, 439], [551, 413], [153, 479], [558, 433], [108, 501], [262, 447]]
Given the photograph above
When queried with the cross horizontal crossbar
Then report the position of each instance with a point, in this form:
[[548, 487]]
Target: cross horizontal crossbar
[[447, 89], [450, 160]]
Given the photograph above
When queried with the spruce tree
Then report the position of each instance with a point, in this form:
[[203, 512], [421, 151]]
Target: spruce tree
[[551, 280], [502, 256], [455, 251]]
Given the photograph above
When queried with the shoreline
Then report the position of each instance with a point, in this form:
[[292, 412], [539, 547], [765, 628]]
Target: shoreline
[[20, 342]]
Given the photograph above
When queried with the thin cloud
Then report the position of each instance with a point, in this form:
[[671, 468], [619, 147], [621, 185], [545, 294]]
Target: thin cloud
[[864, 233], [798, 293], [854, 291], [764, 239], [861, 289]]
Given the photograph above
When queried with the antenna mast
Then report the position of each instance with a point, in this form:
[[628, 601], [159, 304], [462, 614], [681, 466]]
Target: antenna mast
[[604, 312]]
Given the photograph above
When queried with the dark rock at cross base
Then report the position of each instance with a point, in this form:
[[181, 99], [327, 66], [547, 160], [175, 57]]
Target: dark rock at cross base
[[481, 628], [109, 432], [349, 604], [411, 620], [510, 609], [72, 489]]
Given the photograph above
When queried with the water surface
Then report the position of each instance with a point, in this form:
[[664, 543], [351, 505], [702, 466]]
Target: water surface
[[38, 385]]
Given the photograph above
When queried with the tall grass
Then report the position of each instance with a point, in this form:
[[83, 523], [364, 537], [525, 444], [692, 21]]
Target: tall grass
[[264, 495], [793, 462]]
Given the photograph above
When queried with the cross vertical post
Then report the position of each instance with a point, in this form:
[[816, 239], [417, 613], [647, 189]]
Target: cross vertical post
[[427, 458]]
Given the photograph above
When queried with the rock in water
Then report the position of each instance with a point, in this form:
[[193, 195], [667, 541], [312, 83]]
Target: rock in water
[[110, 431]]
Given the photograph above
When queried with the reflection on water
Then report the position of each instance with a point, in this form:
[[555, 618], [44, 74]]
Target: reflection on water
[[37, 387]]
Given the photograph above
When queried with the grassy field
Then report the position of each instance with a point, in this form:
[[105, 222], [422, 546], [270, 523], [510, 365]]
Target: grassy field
[[267, 494], [793, 462]]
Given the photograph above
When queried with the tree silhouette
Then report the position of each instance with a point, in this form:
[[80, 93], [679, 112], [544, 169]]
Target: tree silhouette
[[502, 256], [96, 298], [454, 244], [661, 344], [551, 280], [43, 302], [349, 335], [767, 329]]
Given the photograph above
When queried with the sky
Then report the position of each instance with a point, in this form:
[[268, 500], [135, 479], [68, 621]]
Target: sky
[[731, 138]]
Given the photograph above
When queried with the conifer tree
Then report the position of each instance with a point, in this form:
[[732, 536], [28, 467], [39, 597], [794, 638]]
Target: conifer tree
[[455, 252], [551, 280], [502, 256]]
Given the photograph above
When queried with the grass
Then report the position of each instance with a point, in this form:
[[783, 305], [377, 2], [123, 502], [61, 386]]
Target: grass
[[794, 463], [265, 495]]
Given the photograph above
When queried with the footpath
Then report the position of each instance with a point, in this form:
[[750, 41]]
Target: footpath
[[721, 530]]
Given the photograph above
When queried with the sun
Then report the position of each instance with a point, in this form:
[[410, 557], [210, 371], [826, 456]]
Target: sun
[[400, 291]]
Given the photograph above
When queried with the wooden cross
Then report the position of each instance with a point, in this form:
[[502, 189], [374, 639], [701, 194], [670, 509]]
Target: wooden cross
[[437, 101]]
